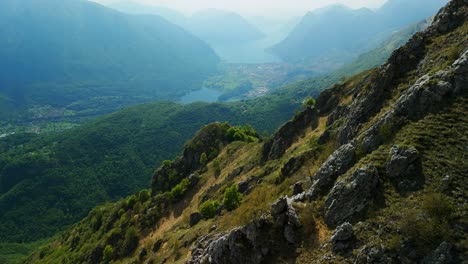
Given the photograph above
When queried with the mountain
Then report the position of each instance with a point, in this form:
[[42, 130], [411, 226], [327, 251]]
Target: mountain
[[372, 171], [336, 33], [136, 138], [57, 52], [223, 27], [233, 38], [170, 15]]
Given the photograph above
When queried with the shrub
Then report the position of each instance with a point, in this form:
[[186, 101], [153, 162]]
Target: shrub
[[208, 209], [203, 159], [438, 206], [232, 198], [131, 201], [108, 253], [179, 190], [217, 168], [131, 240], [144, 195], [308, 103], [245, 133]]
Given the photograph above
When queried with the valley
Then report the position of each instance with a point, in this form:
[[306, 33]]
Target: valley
[[132, 133]]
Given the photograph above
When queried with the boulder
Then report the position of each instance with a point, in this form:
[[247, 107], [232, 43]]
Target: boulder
[[157, 245], [195, 218], [371, 254], [243, 245], [297, 188], [441, 255], [338, 163], [342, 238], [279, 206], [350, 198], [404, 168], [143, 253], [245, 187]]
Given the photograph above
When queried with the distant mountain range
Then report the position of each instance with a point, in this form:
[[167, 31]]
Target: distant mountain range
[[338, 33], [216, 27], [58, 51]]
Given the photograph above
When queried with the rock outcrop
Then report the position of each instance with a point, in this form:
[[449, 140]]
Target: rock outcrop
[[350, 198], [210, 139], [342, 238], [288, 133], [338, 163], [252, 243], [441, 255], [195, 218], [404, 168]]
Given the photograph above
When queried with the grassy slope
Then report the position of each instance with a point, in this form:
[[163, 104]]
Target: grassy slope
[[115, 155], [441, 157]]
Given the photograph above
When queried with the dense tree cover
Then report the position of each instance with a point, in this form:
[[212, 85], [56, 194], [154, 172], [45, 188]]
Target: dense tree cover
[[72, 50]]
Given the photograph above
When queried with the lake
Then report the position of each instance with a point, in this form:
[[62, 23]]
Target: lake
[[203, 95]]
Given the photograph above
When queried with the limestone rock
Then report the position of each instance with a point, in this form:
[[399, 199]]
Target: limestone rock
[[282, 140], [404, 167], [195, 218], [441, 255], [297, 188], [350, 199], [338, 163], [342, 238]]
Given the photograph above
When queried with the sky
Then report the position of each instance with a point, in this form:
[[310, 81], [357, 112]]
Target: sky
[[254, 7]]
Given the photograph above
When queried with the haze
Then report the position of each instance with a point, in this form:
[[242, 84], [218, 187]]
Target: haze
[[257, 7]]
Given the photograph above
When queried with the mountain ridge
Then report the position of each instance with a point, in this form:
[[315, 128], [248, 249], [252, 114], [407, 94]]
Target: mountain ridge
[[350, 178]]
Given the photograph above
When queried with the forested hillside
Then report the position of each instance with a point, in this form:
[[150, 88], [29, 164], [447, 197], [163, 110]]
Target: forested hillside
[[57, 52]]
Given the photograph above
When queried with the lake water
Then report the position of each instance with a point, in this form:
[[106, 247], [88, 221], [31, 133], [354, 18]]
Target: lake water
[[203, 95]]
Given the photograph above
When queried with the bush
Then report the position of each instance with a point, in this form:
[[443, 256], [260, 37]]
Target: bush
[[144, 195], [131, 201], [217, 168], [203, 159], [245, 133], [131, 240], [108, 253], [309, 102], [429, 227], [208, 209], [438, 206], [179, 190], [232, 198]]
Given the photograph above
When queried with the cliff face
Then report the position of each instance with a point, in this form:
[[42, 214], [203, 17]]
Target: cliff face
[[375, 173]]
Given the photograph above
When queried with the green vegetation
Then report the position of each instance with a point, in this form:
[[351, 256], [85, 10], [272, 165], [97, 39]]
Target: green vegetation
[[179, 190], [308, 103], [217, 168], [430, 226], [90, 65], [232, 198], [208, 209]]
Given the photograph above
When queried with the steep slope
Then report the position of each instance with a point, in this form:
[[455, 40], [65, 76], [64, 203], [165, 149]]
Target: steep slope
[[233, 38], [57, 52], [336, 33], [138, 138], [376, 171]]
